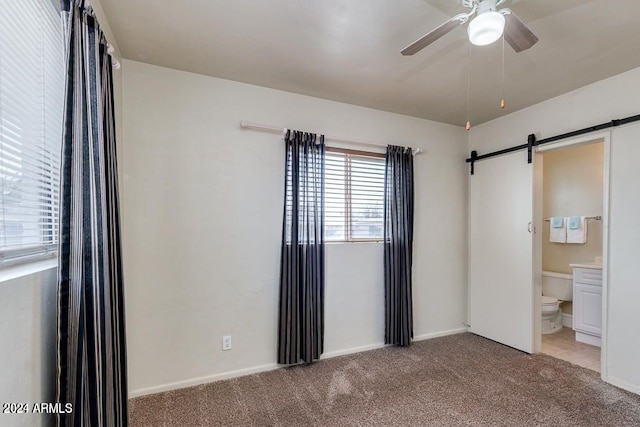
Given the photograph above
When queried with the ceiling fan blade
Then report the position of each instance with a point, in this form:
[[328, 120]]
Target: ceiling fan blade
[[434, 35], [518, 35]]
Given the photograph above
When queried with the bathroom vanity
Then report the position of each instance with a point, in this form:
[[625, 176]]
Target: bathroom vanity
[[587, 302]]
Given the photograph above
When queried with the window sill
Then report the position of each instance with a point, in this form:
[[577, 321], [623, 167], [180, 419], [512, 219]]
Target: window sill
[[16, 271], [348, 242]]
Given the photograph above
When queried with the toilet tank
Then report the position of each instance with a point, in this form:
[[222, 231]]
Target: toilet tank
[[557, 285]]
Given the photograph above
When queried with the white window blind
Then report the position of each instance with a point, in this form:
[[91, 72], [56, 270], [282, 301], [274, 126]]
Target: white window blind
[[31, 113], [354, 196], [309, 189]]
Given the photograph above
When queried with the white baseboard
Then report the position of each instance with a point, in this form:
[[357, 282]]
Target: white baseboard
[[633, 388], [330, 354], [567, 320], [440, 334], [202, 380], [271, 366]]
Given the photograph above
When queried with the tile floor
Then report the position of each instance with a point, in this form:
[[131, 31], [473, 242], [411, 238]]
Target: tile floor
[[563, 345]]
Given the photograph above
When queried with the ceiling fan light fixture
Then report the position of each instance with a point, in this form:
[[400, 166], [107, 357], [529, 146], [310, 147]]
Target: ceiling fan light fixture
[[486, 28]]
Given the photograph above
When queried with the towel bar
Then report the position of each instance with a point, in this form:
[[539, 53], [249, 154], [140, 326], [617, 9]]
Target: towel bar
[[597, 218]]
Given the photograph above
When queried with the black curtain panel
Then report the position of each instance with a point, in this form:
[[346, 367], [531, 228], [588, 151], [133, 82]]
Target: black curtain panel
[[301, 307], [91, 353], [398, 245]]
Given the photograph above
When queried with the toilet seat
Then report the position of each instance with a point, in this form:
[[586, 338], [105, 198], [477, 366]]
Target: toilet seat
[[550, 306]]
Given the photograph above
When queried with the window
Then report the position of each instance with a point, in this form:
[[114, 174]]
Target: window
[[31, 113], [354, 196]]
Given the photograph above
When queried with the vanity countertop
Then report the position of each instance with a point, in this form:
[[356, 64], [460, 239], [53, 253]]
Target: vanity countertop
[[591, 265]]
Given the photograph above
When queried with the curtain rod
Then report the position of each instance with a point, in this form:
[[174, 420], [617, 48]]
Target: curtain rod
[[257, 126], [110, 50], [114, 62]]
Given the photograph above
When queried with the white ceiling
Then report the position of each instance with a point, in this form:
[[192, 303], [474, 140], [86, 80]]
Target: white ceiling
[[349, 50]]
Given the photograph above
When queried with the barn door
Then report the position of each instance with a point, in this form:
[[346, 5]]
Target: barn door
[[501, 250]]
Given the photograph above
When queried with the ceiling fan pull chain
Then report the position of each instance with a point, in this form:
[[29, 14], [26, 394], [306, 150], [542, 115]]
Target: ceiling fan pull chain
[[502, 102], [468, 127]]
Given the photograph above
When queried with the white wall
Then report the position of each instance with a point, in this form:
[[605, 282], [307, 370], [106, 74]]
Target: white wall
[[624, 252], [600, 102], [27, 341], [202, 226]]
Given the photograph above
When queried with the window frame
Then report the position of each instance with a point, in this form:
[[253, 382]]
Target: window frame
[[349, 153]]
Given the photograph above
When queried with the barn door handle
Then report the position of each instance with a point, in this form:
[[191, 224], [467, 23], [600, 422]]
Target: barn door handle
[[529, 227]]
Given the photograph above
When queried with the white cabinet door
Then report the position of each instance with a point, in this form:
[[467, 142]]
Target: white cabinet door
[[587, 308], [501, 250]]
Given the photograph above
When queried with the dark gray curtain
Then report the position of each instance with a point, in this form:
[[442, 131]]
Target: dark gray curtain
[[398, 245], [301, 308], [91, 354]]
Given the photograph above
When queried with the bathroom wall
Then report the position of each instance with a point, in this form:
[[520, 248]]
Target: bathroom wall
[[572, 185]]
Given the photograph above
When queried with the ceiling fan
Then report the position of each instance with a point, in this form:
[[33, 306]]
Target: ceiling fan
[[486, 27]]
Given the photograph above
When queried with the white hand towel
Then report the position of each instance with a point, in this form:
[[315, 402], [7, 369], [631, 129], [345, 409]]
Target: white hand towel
[[579, 235], [559, 234]]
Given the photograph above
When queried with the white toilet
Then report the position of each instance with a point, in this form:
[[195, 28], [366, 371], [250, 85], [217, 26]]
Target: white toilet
[[556, 288]]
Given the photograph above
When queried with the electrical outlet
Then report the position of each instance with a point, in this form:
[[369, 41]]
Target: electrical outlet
[[226, 342]]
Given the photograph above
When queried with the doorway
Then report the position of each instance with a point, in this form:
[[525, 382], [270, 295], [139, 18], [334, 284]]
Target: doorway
[[572, 187]]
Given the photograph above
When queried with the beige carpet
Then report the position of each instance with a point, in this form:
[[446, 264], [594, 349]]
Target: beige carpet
[[460, 380]]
